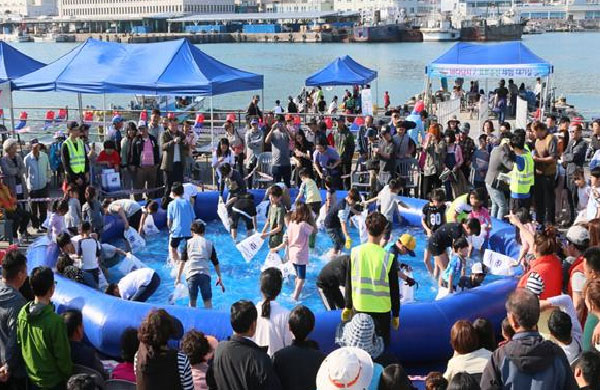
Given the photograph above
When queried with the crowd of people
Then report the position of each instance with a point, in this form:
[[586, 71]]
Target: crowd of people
[[533, 177]]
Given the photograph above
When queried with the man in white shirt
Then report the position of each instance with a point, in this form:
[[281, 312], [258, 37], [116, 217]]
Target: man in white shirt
[[136, 286]]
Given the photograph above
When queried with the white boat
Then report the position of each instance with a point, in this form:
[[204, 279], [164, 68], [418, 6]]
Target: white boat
[[20, 38], [439, 30], [52, 38], [168, 104], [533, 29]]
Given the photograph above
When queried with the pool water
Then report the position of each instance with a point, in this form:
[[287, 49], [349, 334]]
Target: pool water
[[241, 279]]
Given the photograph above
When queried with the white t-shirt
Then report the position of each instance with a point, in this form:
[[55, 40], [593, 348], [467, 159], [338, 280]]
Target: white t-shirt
[[189, 191], [388, 202], [584, 195], [565, 303], [129, 206], [89, 250], [131, 283], [577, 282], [273, 331], [573, 350], [592, 206], [108, 250]]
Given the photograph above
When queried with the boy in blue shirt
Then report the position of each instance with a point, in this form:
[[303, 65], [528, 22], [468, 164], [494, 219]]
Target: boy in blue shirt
[[180, 216], [456, 266]]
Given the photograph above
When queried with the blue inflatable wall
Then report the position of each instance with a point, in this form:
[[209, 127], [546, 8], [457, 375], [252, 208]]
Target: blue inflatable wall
[[424, 332]]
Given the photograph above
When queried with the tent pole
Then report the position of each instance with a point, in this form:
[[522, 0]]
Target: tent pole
[[377, 94], [212, 135], [262, 98], [12, 109], [80, 103], [103, 114]]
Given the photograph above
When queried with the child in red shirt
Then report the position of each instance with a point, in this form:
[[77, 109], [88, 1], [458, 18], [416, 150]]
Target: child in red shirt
[[109, 156]]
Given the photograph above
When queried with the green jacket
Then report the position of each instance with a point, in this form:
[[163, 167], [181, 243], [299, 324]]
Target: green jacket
[[42, 335]]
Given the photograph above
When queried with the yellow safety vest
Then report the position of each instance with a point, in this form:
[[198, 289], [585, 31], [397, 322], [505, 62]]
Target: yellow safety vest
[[76, 156], [369, 275], [452, 209], [521, 181]]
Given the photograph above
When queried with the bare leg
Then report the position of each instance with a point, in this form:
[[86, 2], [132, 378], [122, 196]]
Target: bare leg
[[192, 303], [233, 234], [441, 262], [427, 261], [208, 304], [299, 284], [174, 254]]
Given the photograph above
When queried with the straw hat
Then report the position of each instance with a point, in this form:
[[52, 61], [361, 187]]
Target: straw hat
[[360, 333], [345, 368]]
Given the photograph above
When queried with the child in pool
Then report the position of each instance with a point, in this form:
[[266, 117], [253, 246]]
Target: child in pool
[[299, 230], [478, 211], [434, 216], [276, 218], [456, 266], [331, 198], [309, 191], [92, 211]]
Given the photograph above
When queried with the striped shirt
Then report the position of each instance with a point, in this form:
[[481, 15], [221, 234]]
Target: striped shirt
[[185, 371]]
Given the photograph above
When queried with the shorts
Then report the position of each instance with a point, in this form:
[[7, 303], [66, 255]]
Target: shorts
[[337, 237], [175, 241], [235, 217], [315, 207], [199, 282], [300, 271], [435, 250]]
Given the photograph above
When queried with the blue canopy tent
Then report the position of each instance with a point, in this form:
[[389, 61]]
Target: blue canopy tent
[[342, 71], [500, 60], [14, 64], [164, 68]]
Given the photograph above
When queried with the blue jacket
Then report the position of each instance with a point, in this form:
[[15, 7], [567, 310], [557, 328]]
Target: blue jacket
[[36, 171], [528, 362]]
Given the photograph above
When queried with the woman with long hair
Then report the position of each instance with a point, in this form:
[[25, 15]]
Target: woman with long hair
[[303, 152], [488, 130], [156, 365], [237, 144], [222, 155], [434, 150], [272, 325], [593, 226], [454, 183]]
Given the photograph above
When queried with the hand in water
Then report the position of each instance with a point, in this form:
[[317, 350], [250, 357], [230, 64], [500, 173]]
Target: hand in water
[[220, 283]]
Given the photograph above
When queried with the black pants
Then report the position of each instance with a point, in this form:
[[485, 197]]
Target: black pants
[[173, 176], [38, 209], [333, 296], [430, 183], [346, 167], [572, 199], [544, 199], [282, 174], [20, 218], [382, 325], [134, 220], [145, 292], [251, 167]]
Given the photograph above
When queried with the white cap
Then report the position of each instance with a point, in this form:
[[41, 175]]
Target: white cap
[[348, 368], [142, 124], [578, 235], [477, 268]]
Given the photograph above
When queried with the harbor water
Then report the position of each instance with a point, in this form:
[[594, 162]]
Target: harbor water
[[401, 68]]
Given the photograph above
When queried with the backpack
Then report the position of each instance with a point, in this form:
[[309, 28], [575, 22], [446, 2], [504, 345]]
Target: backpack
[[54, 155]]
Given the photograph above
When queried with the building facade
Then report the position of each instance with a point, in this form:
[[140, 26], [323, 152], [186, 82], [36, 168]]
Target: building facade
[[386, 9], [29, 8], [102, 9], [287, 6]]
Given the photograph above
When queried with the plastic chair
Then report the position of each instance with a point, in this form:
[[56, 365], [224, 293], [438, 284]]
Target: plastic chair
[[79, 369], [117, 384], [408, 170], [263, 167]]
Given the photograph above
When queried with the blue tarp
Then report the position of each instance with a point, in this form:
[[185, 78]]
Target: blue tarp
[[164, 68], [510, 59], [15, 64], [342, 71]]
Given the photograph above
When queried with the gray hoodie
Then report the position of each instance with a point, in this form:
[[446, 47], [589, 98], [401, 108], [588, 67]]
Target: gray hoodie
[[528, 362], [11, 302]]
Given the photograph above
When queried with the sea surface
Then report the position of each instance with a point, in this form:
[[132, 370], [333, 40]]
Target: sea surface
[[401, 68]]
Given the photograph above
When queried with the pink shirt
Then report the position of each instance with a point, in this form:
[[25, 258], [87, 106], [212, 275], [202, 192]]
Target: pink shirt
[[147, 153], [124, 371], [199, 376], [298, 242], [483, 215]]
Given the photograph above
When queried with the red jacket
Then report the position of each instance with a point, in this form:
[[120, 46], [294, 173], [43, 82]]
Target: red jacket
[[577, 266], [550, 270]]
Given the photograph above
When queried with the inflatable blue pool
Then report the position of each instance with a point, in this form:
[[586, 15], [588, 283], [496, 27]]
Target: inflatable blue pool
[[424, 332]]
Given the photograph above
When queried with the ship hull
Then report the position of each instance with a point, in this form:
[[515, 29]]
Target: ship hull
[[386, 33], [485, 33]]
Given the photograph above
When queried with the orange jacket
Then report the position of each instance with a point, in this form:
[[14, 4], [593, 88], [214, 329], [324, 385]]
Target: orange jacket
[[550, 270]]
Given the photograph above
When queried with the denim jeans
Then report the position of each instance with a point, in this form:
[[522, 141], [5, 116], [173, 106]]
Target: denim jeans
[[499, 202]]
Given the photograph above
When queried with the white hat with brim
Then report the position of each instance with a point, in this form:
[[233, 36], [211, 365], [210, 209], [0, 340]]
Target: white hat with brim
[[345, 368]]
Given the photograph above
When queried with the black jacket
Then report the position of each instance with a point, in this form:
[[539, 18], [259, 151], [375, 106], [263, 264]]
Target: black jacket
[[297, 365], [574, 156], [240, 364], [138, 147], [528, 362]]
